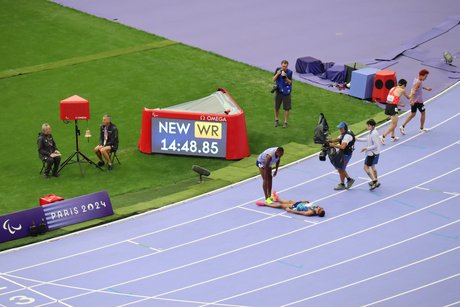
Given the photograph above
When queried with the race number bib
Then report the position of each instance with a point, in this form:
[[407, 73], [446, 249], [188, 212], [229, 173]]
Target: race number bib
[[390, 98]]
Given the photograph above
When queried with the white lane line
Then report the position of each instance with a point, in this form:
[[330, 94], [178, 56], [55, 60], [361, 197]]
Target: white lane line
[[429, 101], [413, 290], [313, 248], [425, 189], [35, 291], [192, 302], [123, 241], [103, 292], [149, 255], [144, 246], [232, 251], [294, 217], [435, 190], [261, 242], [390, 172], [377, 275], [200, 218], [331, 266], [261, 212], [457, 303]]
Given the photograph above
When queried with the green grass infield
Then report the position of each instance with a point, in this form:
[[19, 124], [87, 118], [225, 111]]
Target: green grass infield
[[50, 52]]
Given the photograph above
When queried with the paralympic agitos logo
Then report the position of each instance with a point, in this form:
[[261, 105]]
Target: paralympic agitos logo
[[11, 229]]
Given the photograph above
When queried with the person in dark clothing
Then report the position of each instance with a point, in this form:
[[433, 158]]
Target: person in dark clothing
[[48, 152], [346, 141], [108, 141], [283, 81]]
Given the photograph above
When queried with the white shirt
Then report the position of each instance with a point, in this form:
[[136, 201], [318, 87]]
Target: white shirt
[[373, 143], [347, 138], [269, 152]]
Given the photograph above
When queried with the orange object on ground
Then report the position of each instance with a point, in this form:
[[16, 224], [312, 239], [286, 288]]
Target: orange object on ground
[[49, 199]]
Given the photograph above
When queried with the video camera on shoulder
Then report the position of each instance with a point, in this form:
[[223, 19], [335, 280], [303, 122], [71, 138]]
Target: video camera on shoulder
[[320, 136]]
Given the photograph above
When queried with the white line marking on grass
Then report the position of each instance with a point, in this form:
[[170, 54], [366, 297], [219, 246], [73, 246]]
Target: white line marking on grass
[[377, 275], [413, 290]]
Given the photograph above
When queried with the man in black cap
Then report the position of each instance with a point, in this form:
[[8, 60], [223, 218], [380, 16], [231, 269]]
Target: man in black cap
[[345, 144]]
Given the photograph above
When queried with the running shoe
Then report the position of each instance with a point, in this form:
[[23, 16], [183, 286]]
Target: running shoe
[[277, 123], [274, 196], [374, 185], [340, 187], [424, 129], [285, 125], [269, 200], [350, 183], [382, 140], [402, 130], [394, 138]]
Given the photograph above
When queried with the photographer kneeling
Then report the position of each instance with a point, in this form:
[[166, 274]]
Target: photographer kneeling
[[346, 141]]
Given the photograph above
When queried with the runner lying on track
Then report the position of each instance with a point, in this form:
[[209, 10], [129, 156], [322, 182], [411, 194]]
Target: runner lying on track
[[302, 207]]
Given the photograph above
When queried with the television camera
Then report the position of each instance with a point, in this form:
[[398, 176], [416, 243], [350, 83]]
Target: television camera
[[320, 136]]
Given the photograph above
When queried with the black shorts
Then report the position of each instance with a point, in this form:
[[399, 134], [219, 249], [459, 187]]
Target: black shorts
[[371, 160], [391, 109], [417, 106], [280, 98]]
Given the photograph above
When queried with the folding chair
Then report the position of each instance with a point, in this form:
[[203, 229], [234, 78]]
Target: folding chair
[[43, 166], [113, 154]]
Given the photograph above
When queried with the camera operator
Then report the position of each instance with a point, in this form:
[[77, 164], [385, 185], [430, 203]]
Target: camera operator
[[48, 152], [282, 89], [346, 141]]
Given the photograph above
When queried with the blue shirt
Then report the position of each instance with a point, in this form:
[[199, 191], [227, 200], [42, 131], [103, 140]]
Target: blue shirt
[[281, 83], [303, 207]]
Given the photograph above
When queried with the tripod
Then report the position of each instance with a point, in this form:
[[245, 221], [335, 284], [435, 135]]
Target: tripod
[[80, 157]]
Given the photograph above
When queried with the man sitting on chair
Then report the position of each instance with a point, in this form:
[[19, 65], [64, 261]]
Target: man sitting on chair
[[108, 142], [48, 152]]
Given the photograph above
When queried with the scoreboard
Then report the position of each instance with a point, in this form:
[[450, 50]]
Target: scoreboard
[[213, 126], [189, 137]]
